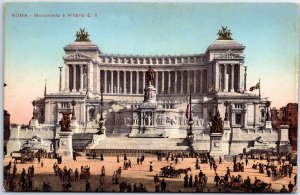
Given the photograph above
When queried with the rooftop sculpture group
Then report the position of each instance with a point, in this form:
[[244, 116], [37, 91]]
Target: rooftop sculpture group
[[82, 35], [65, 122], [224, 34]]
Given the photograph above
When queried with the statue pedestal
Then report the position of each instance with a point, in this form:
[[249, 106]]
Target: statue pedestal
[[150, 94], [216, 145], [34, 123], [65, 145], [268, 125]]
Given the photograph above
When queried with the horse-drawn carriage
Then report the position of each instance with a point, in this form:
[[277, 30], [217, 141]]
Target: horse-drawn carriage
[[171, 172], [24, 156]]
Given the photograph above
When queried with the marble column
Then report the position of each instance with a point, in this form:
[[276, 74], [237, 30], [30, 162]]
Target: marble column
[[67, 74], [188, 81], [144, 84], [181, 79], [226, 83], [201, 81], [175, 86], [90, 76], [156, 82], [169, 82], [232, 78], [105, 81], [239, 78], [124, 83], [118, 81], [162, 81], [74, 78], [98, 79], [81, 78], [195, 71], [111, 81], [245, 115], [254, 120], [216, 76], [130, 82], [137, 82]]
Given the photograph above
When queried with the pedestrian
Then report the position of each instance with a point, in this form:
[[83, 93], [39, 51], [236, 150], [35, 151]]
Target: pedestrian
[[101, 157], [103, 171], [191, 181], [291, 187], [246, 161], [217, 179], [87, 186], [186, 183], [151, 167], [163, 185], [138, 160], [118, 160], [32, 171], [30, 185], [74, 156], [76, 174], [129, 188], [42, 164], [228, 171], [125, 157], [283, 189], [157, 185], [196, 181]]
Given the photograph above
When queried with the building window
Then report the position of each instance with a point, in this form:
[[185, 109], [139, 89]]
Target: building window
[[262, 114], [238, 119]]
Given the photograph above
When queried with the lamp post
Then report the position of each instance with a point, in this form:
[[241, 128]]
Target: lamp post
[[101, 120], [73, 103], [268, 103], [190, 135]]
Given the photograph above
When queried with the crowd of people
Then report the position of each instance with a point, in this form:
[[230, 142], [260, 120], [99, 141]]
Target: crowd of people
[[231, 180]]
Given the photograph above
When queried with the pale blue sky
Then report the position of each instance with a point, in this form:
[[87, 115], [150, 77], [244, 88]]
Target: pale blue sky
[[34, 46]]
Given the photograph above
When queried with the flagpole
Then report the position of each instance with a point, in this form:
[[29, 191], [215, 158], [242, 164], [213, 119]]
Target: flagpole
[[259, 87]]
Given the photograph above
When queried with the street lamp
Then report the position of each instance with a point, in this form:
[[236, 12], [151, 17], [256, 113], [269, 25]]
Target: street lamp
[[101, 120], [190, 135], [268, 103], [73, 103]]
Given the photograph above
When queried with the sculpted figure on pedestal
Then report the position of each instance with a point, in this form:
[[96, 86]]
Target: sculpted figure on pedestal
[[216, 125], [65, 122], [150, 76]]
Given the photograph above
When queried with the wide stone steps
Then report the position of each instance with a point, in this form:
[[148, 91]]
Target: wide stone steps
[[81, 141], [141, 143]]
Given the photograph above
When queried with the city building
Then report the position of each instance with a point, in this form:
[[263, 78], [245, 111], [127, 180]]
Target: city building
[[215, 79], [287, 115]]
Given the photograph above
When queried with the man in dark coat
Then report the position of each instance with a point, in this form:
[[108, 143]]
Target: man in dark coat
[[163, 185]]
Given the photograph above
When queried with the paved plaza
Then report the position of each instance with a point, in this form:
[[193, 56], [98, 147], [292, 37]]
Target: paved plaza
[[140, 174]]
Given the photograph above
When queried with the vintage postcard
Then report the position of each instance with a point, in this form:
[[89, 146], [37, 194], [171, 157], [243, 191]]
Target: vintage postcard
[[150, 97]]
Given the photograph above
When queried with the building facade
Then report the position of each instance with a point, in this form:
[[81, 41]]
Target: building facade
[[287, 115], [216, 80]]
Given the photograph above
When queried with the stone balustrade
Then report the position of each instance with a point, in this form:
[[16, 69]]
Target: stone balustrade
[[151, 60]]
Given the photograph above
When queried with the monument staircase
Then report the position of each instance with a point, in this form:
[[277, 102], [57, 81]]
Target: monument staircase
[[80, 141]]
